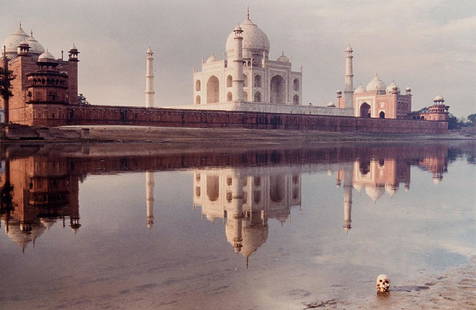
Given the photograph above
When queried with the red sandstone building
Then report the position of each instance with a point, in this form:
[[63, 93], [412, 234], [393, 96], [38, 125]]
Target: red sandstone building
[[43, 86]]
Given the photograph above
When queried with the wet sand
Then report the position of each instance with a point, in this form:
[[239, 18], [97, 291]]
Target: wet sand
[[453, 290]]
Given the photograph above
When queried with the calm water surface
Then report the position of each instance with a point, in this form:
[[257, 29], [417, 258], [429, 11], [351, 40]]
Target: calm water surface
[[134, 228]]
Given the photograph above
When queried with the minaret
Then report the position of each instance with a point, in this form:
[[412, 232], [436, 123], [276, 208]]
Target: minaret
[[149, 79], [238, 81], [347, 200], [349, 75], [149, 197], [73, 59]]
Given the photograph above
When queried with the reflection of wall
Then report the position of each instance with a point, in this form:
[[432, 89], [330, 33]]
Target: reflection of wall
[[246, 202], [43, 192]]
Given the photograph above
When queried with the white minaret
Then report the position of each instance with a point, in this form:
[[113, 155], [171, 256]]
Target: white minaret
[[149, 197], [149, 79], [238, 82], [349, 76]]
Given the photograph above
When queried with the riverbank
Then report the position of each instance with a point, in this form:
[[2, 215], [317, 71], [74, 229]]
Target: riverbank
[[207, 136], [455, 289]]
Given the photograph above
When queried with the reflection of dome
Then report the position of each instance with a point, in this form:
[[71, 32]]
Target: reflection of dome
[[253, 238], [376, 84], [253, 38], [357, 186], [35, 46], [437, 178], [22, 238], [374, 192], [12, 41], [390, 189], [359, 90], [47, 222], [210, 217]]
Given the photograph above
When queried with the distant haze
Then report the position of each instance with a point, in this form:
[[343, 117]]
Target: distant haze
[[429, 45]]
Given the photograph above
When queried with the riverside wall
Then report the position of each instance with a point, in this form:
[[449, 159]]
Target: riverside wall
[[166, 117]]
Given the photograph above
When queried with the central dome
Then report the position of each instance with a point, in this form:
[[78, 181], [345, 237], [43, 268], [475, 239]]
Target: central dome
[[255, 41], [376, 84]]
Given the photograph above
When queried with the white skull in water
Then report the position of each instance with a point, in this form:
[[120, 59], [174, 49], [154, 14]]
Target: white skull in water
[[383, 283]]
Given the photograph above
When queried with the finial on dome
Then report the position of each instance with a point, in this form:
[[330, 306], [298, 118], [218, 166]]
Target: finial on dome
[[248, 13], [282, 52]]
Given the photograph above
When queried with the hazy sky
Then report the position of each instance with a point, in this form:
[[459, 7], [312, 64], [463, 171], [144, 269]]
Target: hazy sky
[[429, 45]]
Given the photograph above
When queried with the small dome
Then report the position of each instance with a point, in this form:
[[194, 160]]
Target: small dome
[[35, 46], [439, 99], [46, 56], [348, 49], [283, 58], [12, 41], [148, 52], [376, 84], [254, 39], [211, 59], [24, 43], [331, 104], [391, 88], [359, 90]]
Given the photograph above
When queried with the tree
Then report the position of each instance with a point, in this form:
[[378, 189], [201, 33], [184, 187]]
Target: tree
[[472, 119]]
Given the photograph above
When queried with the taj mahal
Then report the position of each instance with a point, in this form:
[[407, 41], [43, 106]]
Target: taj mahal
[[249, 80]]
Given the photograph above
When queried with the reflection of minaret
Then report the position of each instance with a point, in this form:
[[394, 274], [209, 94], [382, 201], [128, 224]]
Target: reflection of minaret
[[346, 176], [347, 203], [236, 211], [149, 193]]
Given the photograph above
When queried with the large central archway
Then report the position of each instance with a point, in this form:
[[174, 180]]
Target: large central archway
[[277, 90], [365, 110], [213, 90]]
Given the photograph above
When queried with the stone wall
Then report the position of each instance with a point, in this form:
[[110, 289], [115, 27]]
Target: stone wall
[[135, 116]]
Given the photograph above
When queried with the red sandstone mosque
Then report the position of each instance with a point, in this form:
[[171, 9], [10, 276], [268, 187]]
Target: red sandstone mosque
[[247, 89]]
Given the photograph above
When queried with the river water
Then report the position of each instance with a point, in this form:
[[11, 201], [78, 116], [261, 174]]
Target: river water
[[134, 227]]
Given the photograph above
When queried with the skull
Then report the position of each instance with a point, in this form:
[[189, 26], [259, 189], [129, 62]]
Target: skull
[[383, 284]]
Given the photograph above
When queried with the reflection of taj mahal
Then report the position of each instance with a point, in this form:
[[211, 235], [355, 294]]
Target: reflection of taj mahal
[[246, 199]]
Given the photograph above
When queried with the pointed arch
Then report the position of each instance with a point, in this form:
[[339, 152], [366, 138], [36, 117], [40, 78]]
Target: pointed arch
[[257, 97], [213, 90]]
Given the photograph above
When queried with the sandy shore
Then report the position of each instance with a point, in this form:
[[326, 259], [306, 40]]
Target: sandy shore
[[454, 290]]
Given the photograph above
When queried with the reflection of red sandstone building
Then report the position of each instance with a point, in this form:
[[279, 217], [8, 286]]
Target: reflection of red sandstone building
[[43, 192]]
